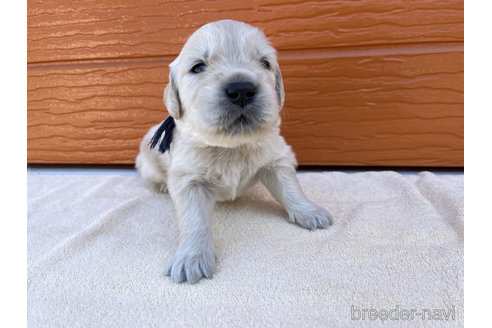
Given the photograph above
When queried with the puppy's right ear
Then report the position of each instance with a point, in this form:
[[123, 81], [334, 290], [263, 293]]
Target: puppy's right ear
[[279, 87], [171, 98]]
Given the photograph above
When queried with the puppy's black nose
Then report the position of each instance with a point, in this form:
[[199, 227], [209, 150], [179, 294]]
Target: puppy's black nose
[[241, 93]]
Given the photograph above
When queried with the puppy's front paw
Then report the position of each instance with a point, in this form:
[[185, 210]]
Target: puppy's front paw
[[191, 264], [311, 216]]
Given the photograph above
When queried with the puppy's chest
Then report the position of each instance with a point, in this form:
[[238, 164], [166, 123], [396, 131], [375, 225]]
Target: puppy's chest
[[230, 178]]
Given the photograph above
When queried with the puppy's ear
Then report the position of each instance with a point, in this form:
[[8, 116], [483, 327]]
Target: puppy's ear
[[279, 86], [171, 98]]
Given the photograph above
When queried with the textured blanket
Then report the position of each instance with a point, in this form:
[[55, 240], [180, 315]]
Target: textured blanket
[[98, 247]]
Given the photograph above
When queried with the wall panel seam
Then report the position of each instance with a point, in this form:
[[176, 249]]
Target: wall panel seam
[[331, 52]]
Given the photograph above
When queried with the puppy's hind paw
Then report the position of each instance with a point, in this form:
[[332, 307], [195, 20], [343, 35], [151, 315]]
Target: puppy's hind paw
[[311, 217], [191, 265]]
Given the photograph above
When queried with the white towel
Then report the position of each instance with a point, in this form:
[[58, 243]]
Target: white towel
[[98, 246]]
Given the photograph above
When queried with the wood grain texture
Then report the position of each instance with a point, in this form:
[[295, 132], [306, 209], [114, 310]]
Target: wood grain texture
[[92, 113], [399, 105], [403, 108], [61, 30]]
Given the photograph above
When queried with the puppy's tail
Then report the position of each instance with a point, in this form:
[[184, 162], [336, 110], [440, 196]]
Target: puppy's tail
[[167, 128]]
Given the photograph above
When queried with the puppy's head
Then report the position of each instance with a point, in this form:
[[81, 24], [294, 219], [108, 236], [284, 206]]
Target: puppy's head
[[225, 87]]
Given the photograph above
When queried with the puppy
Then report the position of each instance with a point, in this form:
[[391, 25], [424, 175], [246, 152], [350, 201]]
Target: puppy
[[224, 97]]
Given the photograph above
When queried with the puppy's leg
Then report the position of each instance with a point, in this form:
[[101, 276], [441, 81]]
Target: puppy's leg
[[282, 183], [195, 257]]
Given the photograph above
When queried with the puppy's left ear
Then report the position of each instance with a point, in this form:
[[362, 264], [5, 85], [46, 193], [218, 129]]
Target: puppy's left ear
[[279, 86], [171, 98]]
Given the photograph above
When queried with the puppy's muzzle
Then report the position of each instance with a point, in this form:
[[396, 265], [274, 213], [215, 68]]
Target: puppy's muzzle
[[241, 93]]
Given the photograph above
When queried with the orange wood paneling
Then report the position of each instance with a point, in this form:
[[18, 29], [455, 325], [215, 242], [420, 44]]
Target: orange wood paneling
[[92, 113], [367, 82], [397, 107], [61, 30], [379, 106]]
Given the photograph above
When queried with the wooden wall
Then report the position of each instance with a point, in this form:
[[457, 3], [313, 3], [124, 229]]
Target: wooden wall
[[368, 82]]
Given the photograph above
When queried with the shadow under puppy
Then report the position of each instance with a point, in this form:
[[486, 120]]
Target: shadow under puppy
[[224, 97]]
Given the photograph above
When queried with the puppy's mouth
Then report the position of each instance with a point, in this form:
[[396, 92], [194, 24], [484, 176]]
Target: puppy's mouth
[[242, 124], [242, 120]]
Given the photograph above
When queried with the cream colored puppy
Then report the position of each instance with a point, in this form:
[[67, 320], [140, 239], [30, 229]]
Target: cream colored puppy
[[224, 96]]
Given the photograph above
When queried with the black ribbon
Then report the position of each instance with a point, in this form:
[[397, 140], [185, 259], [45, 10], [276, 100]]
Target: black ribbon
[[167, 128]]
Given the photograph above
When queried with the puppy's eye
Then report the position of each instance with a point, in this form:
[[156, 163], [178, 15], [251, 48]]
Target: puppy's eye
[[198, 68], [265, 64]]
